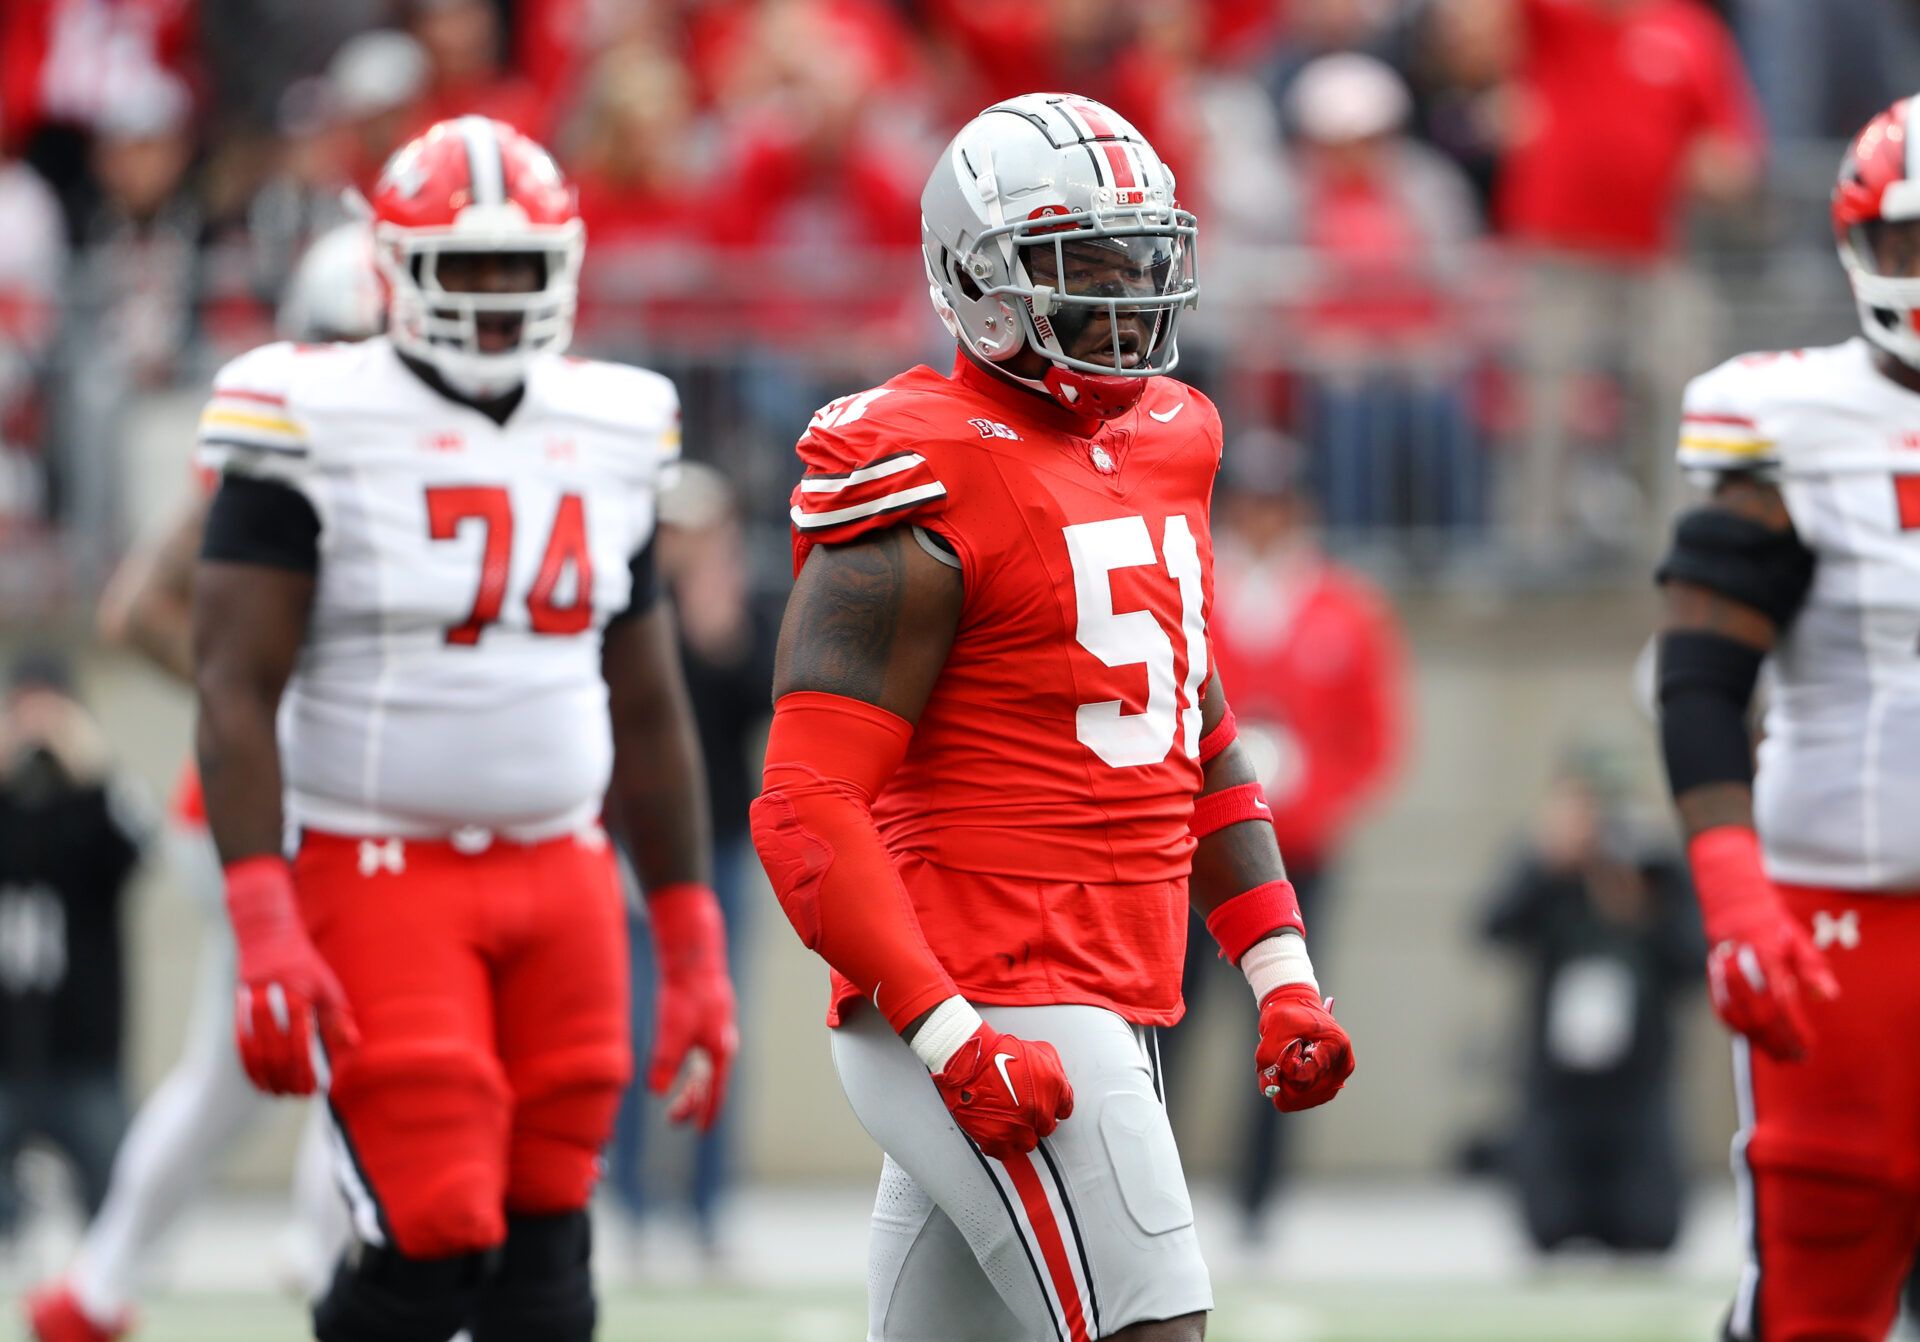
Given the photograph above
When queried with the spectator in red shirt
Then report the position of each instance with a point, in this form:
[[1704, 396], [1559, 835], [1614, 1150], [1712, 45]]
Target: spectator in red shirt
[[466, 67], [1624, 112], [1312, 656], [1629, 109], [637, 160], [820, 184], [1383, 229]]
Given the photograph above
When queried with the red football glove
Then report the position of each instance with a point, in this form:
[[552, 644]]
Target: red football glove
[[286, 989], [693, 1009], [1304, 1056], [1005, 1093], [1761, 964]]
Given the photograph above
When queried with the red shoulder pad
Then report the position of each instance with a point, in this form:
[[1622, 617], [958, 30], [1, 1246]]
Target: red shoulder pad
[[863, 474]]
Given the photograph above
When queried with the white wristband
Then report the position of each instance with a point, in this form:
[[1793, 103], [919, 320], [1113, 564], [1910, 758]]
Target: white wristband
[[951, 1025], [1276, 961]]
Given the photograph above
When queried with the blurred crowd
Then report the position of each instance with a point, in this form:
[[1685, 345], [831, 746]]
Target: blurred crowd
[[749, 171]]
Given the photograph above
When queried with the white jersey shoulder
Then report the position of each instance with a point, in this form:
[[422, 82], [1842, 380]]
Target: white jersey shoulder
[[1790, 410], [257, 421]]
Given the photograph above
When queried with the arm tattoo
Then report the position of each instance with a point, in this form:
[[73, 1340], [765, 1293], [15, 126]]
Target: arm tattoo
[[848, 620]]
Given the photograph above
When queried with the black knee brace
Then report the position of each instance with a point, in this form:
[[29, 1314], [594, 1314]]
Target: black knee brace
[[380, 1295], [542, 1290]]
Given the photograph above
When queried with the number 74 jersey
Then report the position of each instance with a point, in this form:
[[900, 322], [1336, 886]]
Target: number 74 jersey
[[1059, 750], [451, 672]]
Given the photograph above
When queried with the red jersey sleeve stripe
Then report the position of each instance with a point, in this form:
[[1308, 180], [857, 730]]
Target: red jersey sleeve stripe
[[236, 394], [1738, 421]]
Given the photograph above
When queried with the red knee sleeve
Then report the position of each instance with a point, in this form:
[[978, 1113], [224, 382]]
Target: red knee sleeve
[[827, 757]]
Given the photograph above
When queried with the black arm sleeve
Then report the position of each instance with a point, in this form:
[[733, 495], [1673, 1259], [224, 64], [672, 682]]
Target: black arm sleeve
[[1706, 683], [1741, 559], [261, 522], [646, 584]]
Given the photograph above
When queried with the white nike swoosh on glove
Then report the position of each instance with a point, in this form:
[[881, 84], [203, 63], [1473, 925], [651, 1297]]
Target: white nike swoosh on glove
[[1001, 1060], [1168, 417]]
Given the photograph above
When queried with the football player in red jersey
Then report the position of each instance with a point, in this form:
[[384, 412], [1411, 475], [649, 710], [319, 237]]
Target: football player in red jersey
[[1001, 766], [429, 559]]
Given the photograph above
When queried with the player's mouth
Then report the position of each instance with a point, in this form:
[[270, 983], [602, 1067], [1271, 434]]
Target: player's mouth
[[498, 332], [1099, 345]]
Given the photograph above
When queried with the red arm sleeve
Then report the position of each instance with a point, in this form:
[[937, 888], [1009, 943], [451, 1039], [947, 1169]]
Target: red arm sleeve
[[827, 757]]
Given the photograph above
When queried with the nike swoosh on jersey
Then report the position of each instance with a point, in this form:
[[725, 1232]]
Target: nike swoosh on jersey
[[1001, 1060], [1168, 417]]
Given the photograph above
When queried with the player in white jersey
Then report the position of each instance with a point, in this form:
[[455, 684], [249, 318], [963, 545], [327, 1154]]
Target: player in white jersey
[[1803, 567], [205, 1100], [429, 561]]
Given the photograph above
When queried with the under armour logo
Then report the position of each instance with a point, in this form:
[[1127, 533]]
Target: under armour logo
[[378, 854], [1842, 930]]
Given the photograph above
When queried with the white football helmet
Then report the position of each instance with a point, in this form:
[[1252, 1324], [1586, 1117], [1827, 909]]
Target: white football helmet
[[335, 292], [1047, 214]]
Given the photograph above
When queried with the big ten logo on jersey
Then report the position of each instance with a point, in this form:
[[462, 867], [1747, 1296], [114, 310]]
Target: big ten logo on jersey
[[1114, 557], [993, 429], [559, 597], [846, 410]]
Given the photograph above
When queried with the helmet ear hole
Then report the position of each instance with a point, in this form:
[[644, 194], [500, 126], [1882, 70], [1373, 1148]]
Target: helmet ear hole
[[965, 282]]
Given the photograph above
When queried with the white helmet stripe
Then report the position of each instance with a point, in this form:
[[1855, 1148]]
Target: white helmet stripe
[[1912, 174], [485, 167]]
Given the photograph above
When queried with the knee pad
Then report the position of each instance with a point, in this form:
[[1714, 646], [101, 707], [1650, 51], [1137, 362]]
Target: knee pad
[[563, 1117], [542, 1288], [427, 1125], [381, 1295]]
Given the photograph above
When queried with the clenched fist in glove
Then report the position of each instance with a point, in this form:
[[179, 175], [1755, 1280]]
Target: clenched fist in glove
[[286, 991], [1304, 1056], [694, 1026], [1761, 964], [1005, 1093]]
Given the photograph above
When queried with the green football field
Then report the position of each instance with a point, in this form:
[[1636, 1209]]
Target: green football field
[[1594, 1311]]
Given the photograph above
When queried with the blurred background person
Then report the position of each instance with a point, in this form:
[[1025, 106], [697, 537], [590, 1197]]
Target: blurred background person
[[1594, 202], [1384, 226], [1598, 908], [32, 277], [70, 840], [1311, 654], [727, 638], [467, 70], [205, 1102]]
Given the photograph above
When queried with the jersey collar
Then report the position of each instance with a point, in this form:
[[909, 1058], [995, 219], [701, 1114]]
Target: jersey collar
[[1020, 401]]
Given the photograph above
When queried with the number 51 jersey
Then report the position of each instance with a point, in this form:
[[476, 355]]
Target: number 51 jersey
[[451, 675], [1040, 819]]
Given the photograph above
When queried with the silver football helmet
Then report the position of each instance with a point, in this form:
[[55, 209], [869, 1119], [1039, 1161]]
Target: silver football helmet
[[1050, 224]]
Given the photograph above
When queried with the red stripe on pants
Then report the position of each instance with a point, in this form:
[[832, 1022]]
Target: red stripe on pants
[[1026, 1182]]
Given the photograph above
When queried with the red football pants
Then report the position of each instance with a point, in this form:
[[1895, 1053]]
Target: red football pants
[[1829, 1158], [490, 990]]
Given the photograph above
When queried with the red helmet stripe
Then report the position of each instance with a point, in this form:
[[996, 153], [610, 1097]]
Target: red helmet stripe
[[1122, 165], [485, 165], [1097, 124]]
